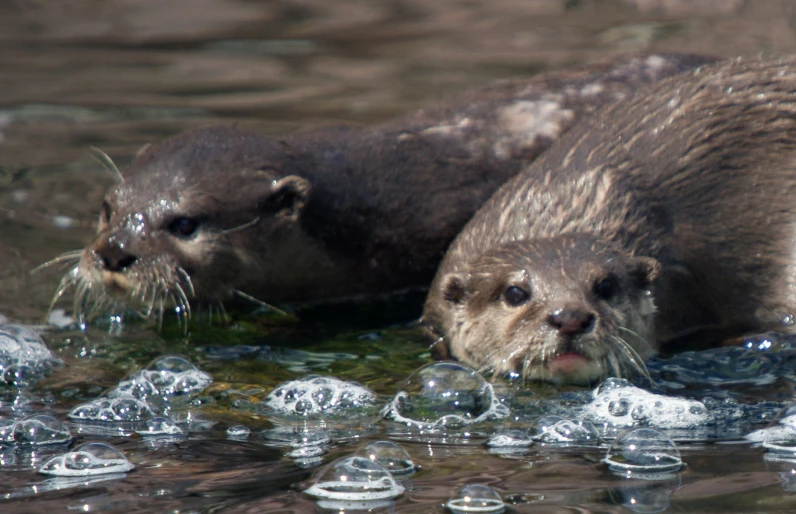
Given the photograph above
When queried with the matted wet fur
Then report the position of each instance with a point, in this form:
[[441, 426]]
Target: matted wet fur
[[696, 173], [326, 214]]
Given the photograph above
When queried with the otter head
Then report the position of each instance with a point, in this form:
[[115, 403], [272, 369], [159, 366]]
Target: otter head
[[566, 309], [186, 223]]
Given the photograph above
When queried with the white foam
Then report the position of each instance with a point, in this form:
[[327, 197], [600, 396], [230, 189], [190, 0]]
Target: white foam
[[629, 406]]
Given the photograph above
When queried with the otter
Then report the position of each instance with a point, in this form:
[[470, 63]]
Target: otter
[[331, 213], [682, 195]]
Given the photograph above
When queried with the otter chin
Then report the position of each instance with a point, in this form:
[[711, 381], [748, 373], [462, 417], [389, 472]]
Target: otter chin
[[568, 309]]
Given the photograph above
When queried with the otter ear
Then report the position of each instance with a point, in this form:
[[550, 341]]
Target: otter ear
[[645, 271], [454, 288], [287, 197]]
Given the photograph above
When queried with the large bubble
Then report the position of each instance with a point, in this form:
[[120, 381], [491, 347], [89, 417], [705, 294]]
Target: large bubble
[[390, 455], [88, 459], [476, 498], [314, 395], [643, 450], [24, 358], [355, 479], [445, 394], [39, 429]]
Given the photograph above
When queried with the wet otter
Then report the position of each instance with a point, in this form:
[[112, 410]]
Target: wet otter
[[330, 213], [695, 176]]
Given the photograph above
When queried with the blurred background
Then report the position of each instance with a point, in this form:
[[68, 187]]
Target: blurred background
[[117, 74]]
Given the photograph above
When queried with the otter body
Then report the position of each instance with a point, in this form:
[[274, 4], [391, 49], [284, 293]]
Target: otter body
[[691, 181], [330, 213]]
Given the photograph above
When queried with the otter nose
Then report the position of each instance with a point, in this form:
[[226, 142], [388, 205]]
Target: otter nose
[[571, 321], [114, 258]]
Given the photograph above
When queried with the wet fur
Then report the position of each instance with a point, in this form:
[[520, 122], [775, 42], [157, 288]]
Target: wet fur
[[331, 213], [697, 173]]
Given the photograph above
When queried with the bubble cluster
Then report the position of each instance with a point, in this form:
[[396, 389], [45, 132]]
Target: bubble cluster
[[617, 403], [510, 439], [780, 436], [36, 430], [566, 431], [390, 455], [24, 358], [88, 459], [159, 426], [167, 377], [476, 498], [643, 450], [146, 393], [355, 479], [313, 395], [445, 394]]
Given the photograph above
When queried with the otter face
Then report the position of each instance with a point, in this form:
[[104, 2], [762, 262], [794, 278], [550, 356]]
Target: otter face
[[567, 309], [178, 227]]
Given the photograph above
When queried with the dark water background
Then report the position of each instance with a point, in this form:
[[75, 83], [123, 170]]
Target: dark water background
[[117, 74]]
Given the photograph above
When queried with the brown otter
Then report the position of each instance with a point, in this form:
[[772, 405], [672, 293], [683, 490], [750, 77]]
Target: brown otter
[[697, 173], [330, 213]]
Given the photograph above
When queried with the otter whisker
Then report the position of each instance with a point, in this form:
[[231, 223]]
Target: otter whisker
[[632, 357], [67, 281], [188, 280], [107, 163], [258, 302], [247, 225], [183, 304], [223, 312], [643, 340], [65, 257]]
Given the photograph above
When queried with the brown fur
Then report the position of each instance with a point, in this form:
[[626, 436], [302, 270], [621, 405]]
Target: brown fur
[[335, 212], [697, 173]]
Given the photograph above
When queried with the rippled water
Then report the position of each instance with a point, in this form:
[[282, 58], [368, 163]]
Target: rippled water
[[117, 74]]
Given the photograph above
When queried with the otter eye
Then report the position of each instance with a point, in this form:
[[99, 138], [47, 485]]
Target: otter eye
[[183, 227], [515, 296], [606, 288]]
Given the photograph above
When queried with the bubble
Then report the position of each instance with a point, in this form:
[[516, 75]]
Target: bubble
[[390, 455], [571, 431], [313, 395], [122, 409], [643, 450], [169, 376], [445, 394], [475, 498], [619, 404], [91, 458], [24, 358], [39, 429], [238, 432], [355, 479], [510, 438], [545, 423], [160, 425], [780, 436]]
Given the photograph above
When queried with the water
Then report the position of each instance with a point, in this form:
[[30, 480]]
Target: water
[[118, 74]]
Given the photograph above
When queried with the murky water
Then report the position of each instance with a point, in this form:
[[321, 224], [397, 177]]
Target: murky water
[[117, 74]]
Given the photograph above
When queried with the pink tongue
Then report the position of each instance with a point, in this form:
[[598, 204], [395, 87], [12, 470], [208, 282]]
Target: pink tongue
[[568, 363]]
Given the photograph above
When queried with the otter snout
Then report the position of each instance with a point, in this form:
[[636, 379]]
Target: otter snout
[[572, 321], [113, 257]]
